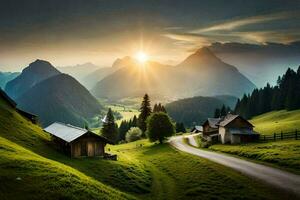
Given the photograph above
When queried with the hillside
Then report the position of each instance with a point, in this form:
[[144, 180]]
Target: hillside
[[202, 73], [6, 77], [277, 121], [195, 110], [32, 169], [36, 72], [28, 169], [60, 98]]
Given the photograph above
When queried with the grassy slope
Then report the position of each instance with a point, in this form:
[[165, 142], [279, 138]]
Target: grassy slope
[[284, 154], [277, 121], [177, 175], [24, 153], [148, 172]]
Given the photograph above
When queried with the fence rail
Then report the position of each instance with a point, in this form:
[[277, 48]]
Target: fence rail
[[280, 136]]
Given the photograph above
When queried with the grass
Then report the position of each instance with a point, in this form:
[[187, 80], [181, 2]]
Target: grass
[[178, 175], [277, 121], [284, 154], [30, 168]]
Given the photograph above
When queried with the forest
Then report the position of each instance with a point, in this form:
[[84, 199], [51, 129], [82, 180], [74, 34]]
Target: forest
[[284, 95]]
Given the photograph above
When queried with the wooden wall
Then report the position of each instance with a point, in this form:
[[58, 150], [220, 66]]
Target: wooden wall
[[87, 146]]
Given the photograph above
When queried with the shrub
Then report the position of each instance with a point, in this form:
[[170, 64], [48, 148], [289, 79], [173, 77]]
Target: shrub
[[133, 134]]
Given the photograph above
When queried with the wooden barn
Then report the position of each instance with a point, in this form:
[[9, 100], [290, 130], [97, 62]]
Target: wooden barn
[[235, 129], [77, 142]]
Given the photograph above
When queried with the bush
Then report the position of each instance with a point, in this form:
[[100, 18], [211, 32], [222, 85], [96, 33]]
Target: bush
[[159, 127], [133, 134]]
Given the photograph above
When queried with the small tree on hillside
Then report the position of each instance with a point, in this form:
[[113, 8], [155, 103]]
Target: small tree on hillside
[[145, 112], [109, 128], [159, 127]]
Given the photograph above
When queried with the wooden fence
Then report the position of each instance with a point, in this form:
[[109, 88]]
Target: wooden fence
[[280, 136]]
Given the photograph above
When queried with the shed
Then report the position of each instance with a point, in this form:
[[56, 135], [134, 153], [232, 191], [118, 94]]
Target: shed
[[197, 129], [76, 141]]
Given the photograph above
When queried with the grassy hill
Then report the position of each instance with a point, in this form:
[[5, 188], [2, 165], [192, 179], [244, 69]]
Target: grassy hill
[[284, 154], [277, 121], [30, 168]]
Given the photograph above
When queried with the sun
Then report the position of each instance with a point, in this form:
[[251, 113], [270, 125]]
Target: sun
[[141, 56]]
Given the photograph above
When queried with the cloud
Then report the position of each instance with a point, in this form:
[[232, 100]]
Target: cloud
[[233, 24], [276, 36]]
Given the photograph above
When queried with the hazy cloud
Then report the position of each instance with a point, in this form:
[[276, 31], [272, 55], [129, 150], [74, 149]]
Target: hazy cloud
[[233, 24]]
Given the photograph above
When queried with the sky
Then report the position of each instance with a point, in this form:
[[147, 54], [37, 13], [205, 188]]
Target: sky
[[70, 32]]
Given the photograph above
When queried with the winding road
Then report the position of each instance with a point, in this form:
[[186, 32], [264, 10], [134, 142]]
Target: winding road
[[278, 178]]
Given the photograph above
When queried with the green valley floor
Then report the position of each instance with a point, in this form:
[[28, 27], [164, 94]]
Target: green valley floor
[[31, 168]]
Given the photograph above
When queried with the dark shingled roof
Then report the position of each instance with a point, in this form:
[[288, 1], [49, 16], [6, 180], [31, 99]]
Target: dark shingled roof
[[213, 122]]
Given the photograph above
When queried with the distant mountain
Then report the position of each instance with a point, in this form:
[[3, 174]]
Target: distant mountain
[[60, 98], [195, 110], [79, 72], [6, 77], [262, 63], [36, 72], [90, 80], [200, 74]]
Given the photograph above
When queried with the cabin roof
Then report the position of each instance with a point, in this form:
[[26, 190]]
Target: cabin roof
[[8, 99], [229, 118], [199, 128], [213, 122], [68, 132]]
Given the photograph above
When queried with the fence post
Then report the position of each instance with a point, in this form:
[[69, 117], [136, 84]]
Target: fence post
[[281, 135], [296, 134], [274, 136]]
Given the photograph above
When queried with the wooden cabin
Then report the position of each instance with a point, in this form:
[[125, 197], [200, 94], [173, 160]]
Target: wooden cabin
[[235, 129], [210, 126], [29, 116], [76, 141]]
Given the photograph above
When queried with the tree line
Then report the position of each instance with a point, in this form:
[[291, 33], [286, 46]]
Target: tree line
[[284, 95], [154, 124]]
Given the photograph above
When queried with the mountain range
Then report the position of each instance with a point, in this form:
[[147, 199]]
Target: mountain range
[[36, 72], [42, 90], [262, 63], [202, 73]]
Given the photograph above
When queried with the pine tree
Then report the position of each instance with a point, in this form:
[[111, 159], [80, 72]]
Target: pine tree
[[145, 111], [223, 111], [109, 128], [134, 122], [217, 113]]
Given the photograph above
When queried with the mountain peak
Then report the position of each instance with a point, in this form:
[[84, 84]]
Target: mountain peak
[[205, 53], [200, 57]]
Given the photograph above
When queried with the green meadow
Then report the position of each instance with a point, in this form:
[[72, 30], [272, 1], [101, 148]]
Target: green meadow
[[282, 153], [277, 121], [31, 168]]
